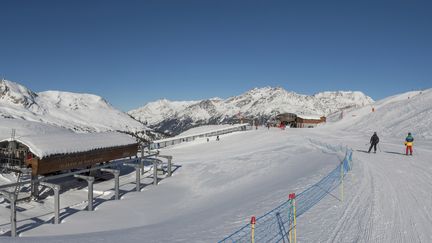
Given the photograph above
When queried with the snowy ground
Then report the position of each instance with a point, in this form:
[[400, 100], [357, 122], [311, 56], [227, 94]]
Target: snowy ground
[[221, 184]]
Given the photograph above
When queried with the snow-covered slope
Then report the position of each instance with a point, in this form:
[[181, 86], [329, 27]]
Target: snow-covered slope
[[393, 116], [79, 112], [259, 103]]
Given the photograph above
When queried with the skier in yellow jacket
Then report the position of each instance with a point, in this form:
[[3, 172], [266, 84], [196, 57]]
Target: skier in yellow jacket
[[409, 143]]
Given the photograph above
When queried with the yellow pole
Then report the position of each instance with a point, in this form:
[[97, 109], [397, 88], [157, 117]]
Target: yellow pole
[[292, 197], [295, 221], [253, 221]]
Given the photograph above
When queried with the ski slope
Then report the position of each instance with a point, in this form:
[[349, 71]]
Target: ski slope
[[394, 116], [387, 196], [221, 184]]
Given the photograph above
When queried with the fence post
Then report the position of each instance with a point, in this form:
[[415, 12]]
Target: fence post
[[90, 180], [56, 204], [13, 214], [253, 222], [137, 174], [155, 179], [11, 197], [292, 197], [142, 166], [169, 157], [116, 174], [342, 181], [169, 166], [56, 188]]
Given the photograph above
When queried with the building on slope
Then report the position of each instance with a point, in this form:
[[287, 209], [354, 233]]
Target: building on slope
[[299, 121], [48, 153], [309, 121]]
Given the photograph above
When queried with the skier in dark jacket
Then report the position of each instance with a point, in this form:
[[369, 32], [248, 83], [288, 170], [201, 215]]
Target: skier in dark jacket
[[373, 142]]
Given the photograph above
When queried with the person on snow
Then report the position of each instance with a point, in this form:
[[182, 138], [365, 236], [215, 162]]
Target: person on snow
[[374, 142], [409, 143]]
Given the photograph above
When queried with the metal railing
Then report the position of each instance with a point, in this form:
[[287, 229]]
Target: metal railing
[[135, 162], [187, 138]]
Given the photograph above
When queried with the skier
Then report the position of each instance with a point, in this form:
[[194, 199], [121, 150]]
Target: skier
[[217, 138], [374, 141], [409, 143]]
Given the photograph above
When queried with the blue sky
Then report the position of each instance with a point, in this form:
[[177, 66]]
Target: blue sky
[[133, 52]]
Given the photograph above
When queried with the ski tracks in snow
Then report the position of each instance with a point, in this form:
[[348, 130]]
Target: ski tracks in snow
[[389, 200]]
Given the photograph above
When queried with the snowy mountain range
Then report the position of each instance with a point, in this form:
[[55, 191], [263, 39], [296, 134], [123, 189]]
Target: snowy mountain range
[[258, 103], [77, 112]]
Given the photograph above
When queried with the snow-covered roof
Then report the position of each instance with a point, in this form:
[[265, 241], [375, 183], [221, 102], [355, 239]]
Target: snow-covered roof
[[45, 139], [310, 117], [43, 145]]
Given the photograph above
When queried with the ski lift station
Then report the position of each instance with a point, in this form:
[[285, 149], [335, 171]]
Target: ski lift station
[[48, 153], [52, 159]]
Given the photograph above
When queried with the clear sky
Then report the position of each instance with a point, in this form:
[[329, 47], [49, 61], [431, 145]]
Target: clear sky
[[133, 52]]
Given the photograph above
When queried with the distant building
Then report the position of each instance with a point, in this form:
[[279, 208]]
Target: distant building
[[309, 121], [288, 119], [299, 121]]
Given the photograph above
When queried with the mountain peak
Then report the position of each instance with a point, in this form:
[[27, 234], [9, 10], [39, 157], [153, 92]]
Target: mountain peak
[[17, 94], [257, 103], [75, 111]]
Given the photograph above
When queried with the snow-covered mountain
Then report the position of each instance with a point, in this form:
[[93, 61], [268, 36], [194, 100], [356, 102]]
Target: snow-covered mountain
[[78, 112], [258, 103]]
